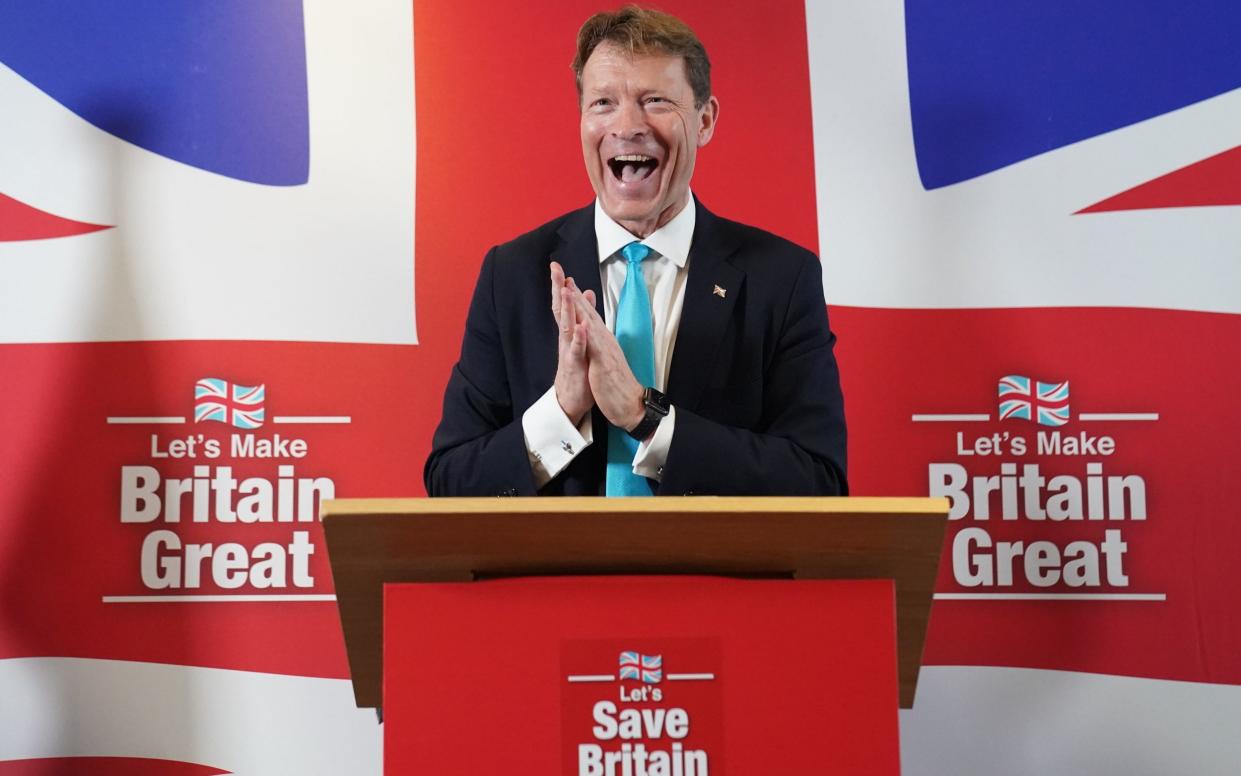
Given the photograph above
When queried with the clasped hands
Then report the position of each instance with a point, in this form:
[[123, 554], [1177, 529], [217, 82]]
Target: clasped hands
[[591, 369]]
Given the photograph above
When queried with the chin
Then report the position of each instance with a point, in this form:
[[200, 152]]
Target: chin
[[636, 211], [629, 210]]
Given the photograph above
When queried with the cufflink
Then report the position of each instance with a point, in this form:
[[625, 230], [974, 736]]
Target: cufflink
[[568, 448]]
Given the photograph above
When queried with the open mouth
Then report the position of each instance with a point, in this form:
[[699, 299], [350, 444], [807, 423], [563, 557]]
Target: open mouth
[[630, 168]]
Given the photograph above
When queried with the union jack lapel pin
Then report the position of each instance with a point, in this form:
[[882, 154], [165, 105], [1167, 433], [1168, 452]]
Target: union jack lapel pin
[[720, 292]]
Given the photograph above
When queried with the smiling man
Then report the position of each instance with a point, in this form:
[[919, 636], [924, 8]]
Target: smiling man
[[682, 353]]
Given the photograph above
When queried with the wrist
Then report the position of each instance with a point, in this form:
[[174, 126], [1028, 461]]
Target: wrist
[[638, 412], [574, 412]]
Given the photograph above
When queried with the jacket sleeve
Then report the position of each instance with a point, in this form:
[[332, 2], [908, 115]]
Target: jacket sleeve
[[798, 446], [478, 448]]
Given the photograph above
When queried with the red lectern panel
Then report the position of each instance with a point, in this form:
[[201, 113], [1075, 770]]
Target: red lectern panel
[[640, 676]]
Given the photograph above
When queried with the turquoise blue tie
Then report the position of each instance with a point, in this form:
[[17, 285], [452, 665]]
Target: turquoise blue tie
[[637, 340]]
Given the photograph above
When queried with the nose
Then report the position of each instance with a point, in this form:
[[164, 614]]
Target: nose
[[630, 122]]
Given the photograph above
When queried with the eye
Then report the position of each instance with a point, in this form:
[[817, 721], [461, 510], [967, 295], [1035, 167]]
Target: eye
[[602, 102]]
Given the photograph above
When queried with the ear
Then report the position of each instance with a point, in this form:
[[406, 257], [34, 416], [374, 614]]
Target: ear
[[708, 115]]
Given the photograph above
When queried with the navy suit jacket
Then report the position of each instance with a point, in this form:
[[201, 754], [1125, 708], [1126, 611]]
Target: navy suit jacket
[[753, 377]]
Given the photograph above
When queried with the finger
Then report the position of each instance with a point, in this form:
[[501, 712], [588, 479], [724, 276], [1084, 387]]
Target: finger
[[557, 277], [590, 297], [577, 300], [581, 337], [573, 293], [568, 313], [586, 308]]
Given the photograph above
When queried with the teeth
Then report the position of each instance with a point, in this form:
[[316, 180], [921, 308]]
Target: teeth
[[633, 158]]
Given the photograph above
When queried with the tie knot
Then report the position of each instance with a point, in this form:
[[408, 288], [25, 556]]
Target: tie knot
[[635, 251]]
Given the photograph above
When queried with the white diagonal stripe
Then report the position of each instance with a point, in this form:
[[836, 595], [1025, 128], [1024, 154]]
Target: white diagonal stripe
[[331, 260], [970, 721], [249, 723], [1008, 238]]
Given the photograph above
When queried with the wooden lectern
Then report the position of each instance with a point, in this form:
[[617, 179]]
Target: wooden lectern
[[462, 649]]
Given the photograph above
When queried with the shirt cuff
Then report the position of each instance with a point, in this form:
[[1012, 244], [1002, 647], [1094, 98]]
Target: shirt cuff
[[649, 460], [552, 441]]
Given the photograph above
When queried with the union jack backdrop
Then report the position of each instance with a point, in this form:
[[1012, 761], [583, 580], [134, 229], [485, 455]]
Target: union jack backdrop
[[998, 191]]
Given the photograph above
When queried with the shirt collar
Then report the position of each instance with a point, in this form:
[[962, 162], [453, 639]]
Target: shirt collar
[[671, 240]]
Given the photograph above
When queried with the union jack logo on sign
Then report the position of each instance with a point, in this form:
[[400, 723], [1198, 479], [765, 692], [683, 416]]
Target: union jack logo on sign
[[644, 668], [1048, 403], [240, 405]]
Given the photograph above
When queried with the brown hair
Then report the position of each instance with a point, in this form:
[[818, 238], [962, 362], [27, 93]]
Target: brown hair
[[643, 31]]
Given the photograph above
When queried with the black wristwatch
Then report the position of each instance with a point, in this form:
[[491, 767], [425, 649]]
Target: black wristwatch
[[657, 406]]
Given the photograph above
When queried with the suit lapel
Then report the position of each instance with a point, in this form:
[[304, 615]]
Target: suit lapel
[[711, 290], [578, 253]]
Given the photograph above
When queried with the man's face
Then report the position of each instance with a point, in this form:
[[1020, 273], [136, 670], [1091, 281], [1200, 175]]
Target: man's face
[[640, 135]]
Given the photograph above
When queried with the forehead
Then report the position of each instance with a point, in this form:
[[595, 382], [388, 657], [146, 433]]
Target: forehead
[[611, 67]]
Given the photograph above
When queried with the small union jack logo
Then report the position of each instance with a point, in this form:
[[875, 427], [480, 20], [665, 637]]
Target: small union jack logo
[[1047, 403], [644, 668], [240, 405]]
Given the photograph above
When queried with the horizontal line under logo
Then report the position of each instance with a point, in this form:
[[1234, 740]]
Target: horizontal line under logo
[[582, 678], [164, 420], [213, 599], [1051, 596]]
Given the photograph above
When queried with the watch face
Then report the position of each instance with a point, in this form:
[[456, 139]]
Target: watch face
[[657, 401]]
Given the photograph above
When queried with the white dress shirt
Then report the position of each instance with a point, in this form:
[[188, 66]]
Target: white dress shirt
[[552, 441]]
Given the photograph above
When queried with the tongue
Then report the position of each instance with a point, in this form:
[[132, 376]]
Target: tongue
[[632, 172]]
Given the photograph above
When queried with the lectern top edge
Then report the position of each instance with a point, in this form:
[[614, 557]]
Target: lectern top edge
[[376, 541], [919, 506]]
